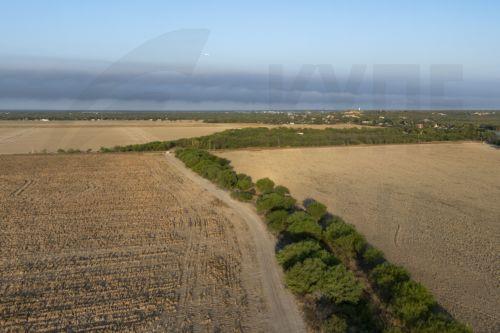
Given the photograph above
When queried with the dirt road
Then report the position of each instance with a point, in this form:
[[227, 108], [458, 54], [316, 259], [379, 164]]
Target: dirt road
[[284, 313]]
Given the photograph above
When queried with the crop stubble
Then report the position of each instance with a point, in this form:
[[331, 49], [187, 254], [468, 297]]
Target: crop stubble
[[120, 242]]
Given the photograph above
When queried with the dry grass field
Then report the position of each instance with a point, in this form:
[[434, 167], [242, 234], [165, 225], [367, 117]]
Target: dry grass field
[[19, 137], [433, 208], [35, 136], [121, 242]]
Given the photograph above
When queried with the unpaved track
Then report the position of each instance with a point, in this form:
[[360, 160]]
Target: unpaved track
[[283, 311]]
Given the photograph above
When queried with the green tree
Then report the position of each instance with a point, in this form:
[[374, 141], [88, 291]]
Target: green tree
[[244, 182], [334, 324], [227, 178], [372, 257], [276, 220], [316, 209], [304, 276], [387, 276], [264, 185], [412, 302], [346, 239], [299, 251], [340, 286], [338, 229], [281, 190], [274, 201], [302, 224]]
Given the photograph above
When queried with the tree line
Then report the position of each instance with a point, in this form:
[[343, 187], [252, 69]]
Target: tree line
[[324, 257], [309, 137]]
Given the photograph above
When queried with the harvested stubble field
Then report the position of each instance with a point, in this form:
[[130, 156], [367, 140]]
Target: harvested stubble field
[[122, 242], [432, 208], [19, 137]]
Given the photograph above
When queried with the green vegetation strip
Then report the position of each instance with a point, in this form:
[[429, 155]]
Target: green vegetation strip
[[343, 283], [309, 137]]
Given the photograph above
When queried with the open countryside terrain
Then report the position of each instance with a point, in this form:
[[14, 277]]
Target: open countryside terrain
[[35, 136], [128, 242], [432, 208], [19, 137]]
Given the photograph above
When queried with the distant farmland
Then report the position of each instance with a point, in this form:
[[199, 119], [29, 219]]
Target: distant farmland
[[432, 208], [20, 137], [35, 136], [122, 242]]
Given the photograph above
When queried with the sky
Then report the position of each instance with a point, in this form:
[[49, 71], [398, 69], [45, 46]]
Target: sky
[[195, 55]]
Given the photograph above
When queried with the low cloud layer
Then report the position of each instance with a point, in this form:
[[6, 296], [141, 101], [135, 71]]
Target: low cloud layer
[[78, 86]]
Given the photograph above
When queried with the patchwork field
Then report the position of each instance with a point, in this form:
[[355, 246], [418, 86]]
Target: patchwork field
[[19, 137], [122, 242], [432, 208]]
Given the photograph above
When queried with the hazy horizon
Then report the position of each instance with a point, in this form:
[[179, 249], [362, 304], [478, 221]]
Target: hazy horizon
[[124, 55]]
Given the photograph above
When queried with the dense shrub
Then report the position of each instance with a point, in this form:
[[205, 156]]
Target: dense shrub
[[264, 185], [281, 190], [316, 210], [226, 178], [274, 201], [350, 245], [276, 220], [372, 257], [334, 324], [209, 166], [338, 229], [304, 276], [299, 251], [412, 302], [387, 276], [150, 146], [340, 286], [244, 182], [301, 224], [345, 239]]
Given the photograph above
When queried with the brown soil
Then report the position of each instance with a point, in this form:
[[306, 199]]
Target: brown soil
[[124, 242], [431, 208]]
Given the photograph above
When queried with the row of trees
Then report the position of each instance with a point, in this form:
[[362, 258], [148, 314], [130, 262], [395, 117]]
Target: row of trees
[[320, 254], [219, 171], [308, 137]]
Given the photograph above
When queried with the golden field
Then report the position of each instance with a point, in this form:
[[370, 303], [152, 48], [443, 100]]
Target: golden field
[[432, 208]]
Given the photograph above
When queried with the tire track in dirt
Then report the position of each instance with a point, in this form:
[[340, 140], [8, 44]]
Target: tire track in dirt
[[396, 234], [23, 188], [283, 310]]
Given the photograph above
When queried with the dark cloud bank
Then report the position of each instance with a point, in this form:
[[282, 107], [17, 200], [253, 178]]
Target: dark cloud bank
[[68, 87]]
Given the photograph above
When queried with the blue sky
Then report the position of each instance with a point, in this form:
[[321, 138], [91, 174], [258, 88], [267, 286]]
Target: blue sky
[[244, 39]]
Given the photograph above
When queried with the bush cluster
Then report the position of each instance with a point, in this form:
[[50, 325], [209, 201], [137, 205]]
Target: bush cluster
[[409, 301], [150, 146], [219, 171]]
